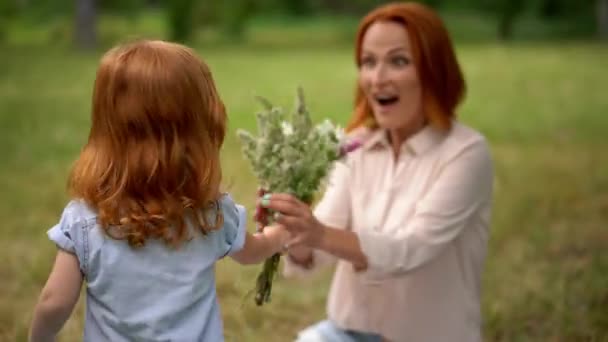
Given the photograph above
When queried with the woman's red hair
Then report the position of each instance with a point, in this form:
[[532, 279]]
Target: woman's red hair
[[443, 85], [152, 160]]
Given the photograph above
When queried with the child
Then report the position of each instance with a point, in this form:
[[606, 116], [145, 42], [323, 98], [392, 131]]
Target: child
[[147, 222]]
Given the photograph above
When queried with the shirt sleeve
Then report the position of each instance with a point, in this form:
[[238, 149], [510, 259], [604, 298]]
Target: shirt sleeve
[[232, 234], [462, 187], [69, 233], [333, 210]]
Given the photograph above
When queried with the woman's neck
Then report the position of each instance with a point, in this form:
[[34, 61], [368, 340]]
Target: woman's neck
[[398, 136]]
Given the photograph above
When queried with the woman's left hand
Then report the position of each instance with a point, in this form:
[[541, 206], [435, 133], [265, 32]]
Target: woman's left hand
[[297, 217]]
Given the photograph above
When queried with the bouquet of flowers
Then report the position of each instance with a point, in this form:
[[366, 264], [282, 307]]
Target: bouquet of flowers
[[289, 155]]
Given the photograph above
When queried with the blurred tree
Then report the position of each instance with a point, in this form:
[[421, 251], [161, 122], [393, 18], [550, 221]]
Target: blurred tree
[[566, 8], [230, 17], [207, 14], [235, 15], [85, 30], [602, 18], [72, 20], [506, 11], [579, 14], [298, 8], [509, 10], [7, 10], [347, 7], [126, 8], [550, 8], [180, 18]]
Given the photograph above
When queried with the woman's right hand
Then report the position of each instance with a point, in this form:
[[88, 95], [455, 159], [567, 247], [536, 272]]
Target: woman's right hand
[[297, 253], [297, 217]]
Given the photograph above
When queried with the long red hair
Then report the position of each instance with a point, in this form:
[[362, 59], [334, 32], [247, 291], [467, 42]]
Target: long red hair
[[152, 159], [443, 85]]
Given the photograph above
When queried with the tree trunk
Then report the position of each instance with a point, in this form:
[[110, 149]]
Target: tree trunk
[[602, 18], [85, 30], [180, 20], [505, 27]]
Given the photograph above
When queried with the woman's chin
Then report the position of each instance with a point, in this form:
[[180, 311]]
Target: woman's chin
[[387, 124]]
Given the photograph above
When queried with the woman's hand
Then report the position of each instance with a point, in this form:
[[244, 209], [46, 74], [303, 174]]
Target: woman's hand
[[307, 231], [297, 217]]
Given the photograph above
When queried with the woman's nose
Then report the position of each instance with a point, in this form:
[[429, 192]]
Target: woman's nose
[[380, 75]]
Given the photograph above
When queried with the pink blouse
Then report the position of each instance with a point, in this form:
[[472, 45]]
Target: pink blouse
[[423, 222]]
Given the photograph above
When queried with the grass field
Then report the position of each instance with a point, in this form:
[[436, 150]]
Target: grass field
[[542, 106]]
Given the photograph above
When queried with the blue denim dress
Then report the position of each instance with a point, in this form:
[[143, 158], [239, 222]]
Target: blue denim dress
[[152, 293]]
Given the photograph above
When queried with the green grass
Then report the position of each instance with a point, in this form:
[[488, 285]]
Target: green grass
[[543, 108]]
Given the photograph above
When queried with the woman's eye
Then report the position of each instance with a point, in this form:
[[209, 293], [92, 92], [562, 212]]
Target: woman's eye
[[367, 62], [401, 61]]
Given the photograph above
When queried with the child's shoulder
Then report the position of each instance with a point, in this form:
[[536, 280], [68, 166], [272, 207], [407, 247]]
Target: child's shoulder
[[78, 211], [229, 207], [234, 214], [226, 199], [69, 233], [234, 228]]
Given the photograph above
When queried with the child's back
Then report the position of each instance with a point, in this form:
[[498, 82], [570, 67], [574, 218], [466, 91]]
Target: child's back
[[151, 293], [148, 221]]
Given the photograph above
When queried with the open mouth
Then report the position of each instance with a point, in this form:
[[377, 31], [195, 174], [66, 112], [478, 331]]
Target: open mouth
[[387, 100]]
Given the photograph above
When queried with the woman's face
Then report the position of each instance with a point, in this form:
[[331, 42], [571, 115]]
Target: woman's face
[[388, 78]]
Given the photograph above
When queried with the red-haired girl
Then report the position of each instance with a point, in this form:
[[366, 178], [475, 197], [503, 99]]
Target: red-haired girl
[[148, 222]]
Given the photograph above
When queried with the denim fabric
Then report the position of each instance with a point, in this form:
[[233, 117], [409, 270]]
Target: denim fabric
[[152, 293]]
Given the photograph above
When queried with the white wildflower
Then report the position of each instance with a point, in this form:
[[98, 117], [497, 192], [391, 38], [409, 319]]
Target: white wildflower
[[286, 128], [326, 128], [340, 134], [289, 155]]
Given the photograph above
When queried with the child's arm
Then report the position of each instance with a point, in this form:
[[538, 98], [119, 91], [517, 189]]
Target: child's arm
[[263, 245], [58, 298]]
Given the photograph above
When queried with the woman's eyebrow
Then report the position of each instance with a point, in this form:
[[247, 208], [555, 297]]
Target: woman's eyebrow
[[392, 50]]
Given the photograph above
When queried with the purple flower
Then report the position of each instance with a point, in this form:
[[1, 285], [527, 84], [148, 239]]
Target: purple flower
[[349, 147]]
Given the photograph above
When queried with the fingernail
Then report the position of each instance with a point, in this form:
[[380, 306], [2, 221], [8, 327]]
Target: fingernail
[[265, 202], [277, 215], [266, 196]]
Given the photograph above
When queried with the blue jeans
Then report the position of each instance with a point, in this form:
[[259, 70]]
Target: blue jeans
[[326, 331]]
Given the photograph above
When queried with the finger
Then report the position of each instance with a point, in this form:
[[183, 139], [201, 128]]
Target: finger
[[291, 223], [285, 197], [284, 207]]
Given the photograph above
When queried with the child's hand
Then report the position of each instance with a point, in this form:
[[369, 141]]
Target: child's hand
[[279, 236], [262, 245]]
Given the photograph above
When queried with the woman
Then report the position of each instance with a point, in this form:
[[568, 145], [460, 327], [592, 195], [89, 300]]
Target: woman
[[407, 216]]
